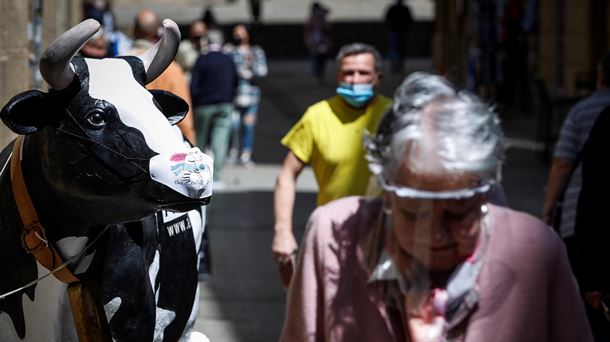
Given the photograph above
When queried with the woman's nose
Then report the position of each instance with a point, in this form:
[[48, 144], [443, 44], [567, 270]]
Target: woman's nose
[[431, 225]]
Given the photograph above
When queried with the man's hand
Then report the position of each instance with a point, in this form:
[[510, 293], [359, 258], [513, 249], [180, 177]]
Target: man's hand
[[284, 249], [547, 216], [284, 246], [594, 299], [558, 180]]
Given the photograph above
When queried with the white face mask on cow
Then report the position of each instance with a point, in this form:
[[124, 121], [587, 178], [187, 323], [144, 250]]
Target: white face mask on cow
[[188, 173]]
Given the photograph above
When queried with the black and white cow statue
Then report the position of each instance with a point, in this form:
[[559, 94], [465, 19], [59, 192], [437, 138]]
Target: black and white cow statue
[[117, 191]]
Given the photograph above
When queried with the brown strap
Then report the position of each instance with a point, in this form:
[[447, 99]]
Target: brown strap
[[33, 237], [89, 319]]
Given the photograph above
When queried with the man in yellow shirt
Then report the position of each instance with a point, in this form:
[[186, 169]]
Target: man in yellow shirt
[[329, 138]]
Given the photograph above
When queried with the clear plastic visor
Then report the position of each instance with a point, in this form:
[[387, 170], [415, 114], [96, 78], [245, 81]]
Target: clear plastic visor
[[408, 192]]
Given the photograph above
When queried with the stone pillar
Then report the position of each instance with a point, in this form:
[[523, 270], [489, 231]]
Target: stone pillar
[[451, 39], [18, 53], [583, 41], [14, 53]]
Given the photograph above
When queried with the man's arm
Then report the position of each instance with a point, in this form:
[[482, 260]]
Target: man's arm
[[558, 178], [284, 245]]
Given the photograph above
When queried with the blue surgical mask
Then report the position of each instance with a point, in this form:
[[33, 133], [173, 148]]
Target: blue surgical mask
[[357, 95]]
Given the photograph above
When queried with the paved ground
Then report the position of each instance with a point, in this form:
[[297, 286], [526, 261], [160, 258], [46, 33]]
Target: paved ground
[[243, 300]]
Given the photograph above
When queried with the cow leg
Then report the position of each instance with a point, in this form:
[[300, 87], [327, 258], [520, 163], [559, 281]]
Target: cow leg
[[178, 280], [128, 295]]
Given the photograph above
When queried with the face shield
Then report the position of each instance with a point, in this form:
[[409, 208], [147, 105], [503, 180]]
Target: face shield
[[408, 192], [429, 230]]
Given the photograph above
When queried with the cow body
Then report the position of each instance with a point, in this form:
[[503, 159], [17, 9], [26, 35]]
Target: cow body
[[103, 167], [163, 264]]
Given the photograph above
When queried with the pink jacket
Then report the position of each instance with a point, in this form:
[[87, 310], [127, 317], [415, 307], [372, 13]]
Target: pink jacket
[[526, 289]]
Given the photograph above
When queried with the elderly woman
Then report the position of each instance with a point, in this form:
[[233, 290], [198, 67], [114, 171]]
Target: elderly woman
[[432, 260]]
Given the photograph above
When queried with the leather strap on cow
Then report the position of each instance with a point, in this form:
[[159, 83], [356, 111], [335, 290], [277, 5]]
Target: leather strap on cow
[[89, 317], [89, 321], [33, 237]]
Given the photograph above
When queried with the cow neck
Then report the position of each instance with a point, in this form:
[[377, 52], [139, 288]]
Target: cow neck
[[61, 212], [33, 236]]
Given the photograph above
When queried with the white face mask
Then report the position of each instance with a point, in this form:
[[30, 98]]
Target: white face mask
[[188, 173]]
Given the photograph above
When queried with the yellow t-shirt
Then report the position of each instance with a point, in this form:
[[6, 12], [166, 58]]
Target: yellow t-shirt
[[329, 138]]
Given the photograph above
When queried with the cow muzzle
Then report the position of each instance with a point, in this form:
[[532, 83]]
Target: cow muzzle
[[189, 173]]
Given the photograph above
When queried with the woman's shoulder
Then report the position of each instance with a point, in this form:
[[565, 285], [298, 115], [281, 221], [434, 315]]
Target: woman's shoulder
[[343, 208], [518, 220], [349, 214], [524, 232]]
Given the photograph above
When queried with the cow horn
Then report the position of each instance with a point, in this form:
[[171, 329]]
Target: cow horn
[[158, 57], [55, 61]]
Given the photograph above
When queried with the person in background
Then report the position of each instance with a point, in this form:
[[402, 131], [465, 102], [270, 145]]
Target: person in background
[[101, 10], [146, 34], [398, 20], [255, 10], [573, 135], [318, 39], [96, 47], [190, 49], [328, 137], [432, 259], [591, 231], [213, 85], [208, 18], [251, 64]]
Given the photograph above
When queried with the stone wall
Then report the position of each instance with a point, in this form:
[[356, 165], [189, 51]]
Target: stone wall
[[14, 51], [18, 61], [569, 51], [272, 11]]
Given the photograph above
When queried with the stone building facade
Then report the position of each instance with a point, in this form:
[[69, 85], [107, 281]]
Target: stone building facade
[[26, 27]]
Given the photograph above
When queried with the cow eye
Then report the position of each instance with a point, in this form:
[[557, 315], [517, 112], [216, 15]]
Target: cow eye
[[96, 120]]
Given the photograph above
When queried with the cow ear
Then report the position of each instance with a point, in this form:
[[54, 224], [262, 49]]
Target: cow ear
[[27, 112], [172, 106]]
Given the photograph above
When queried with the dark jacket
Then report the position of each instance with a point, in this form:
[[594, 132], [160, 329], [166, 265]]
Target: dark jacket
[[214, 79], [592, 230]]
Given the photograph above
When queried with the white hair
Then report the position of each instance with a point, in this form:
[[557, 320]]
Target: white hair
[[454, 130]]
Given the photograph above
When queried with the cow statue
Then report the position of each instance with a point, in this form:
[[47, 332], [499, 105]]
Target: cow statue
[[99, 189]]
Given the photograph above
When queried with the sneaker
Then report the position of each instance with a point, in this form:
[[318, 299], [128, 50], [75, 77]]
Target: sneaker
[[232, 158], [247, 162]]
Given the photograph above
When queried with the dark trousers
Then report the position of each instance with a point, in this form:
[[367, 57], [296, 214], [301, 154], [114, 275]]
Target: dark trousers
[[600, 325]]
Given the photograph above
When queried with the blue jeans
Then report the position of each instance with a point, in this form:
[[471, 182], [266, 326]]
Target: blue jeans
[[243, 126]]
